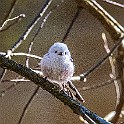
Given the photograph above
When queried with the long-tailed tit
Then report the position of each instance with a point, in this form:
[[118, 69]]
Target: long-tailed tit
[[57, 66]]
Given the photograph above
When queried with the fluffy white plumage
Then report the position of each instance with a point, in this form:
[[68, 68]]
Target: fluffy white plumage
[[57, 64]]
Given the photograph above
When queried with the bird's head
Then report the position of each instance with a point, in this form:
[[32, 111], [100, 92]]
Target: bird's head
[[59, 49]]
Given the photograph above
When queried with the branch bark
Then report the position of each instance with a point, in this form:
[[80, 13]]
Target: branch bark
[[51, 88]]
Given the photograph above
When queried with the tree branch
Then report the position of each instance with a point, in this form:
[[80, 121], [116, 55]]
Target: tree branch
[[116, 32], [111, 25], [120, 66], [71, 24], [117, 44], [113, 68], [27, 105], [51, 88], [14, 21], [114, 3], [31, 25], [11, 10]]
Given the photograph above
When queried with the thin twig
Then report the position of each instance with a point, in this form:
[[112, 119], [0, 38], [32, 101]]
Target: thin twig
[[15, 20], [3, 92], [2, 53], [2, 75], [26, 54], [11, 10], [45, 19], [114, 3], [28, 104], [99, 85], [22, 54], [27, 57], [120, 67], [31, 25], [32, 41], [41, 26], [93, 68], [115, 30], [16, 80], [71, 24], [111, 59]]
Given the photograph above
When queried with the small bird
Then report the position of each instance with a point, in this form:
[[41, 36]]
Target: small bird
[[57, 66]]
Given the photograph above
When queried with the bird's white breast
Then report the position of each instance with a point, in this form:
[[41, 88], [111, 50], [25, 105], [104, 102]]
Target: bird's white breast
[[57, 68]]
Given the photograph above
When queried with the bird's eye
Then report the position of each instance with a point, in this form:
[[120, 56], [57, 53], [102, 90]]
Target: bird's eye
[[55, 51], [65, 53]]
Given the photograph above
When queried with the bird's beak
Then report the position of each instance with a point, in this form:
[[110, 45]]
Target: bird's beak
[[61, 53]]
